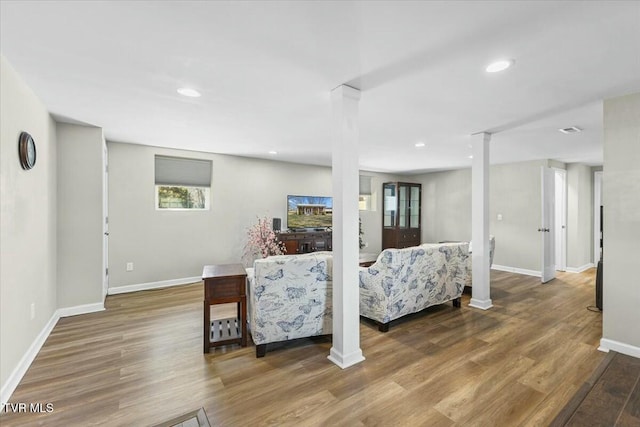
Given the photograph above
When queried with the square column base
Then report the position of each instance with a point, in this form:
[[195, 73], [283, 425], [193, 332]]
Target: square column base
[[344, 361], [481, 304]]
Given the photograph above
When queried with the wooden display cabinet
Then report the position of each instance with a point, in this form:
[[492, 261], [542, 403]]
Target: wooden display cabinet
[[401, 214]]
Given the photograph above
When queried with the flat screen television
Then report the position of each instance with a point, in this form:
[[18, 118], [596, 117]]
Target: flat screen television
[[309, 212]]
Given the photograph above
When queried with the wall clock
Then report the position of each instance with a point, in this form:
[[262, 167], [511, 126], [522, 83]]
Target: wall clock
[[27, 151]]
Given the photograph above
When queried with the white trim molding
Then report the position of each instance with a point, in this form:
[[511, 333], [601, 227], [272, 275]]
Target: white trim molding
[[607, 345], [580, 269], [16, 375], [516, 270], [481, 304], [80, 309], [153, 285], [345, 361]]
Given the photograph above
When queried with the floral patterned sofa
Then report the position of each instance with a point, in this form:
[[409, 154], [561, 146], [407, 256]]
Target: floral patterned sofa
[[290, 296], [405, 281]]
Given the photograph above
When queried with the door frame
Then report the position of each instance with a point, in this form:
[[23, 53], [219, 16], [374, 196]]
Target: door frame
[[597, 202], [560, 234], [547, 180], [105, 220]]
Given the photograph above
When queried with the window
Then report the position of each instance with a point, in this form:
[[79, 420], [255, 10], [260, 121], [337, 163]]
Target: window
[[182, 184], [364, 202]]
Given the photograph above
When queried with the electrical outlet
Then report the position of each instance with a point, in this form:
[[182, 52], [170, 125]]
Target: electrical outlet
[[129, 266], [33, 310]]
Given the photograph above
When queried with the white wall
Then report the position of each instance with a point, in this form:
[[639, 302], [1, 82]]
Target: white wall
[[579, 216], [621, 201], [165, 245], [515, 193], [172, 245], [28, 221], [79, 215], [446, 206]]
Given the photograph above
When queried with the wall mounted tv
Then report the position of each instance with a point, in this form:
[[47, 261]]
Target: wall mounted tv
[[309, 212]]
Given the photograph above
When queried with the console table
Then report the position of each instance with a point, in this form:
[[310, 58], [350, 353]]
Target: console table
[[302, 242], [224, 284]]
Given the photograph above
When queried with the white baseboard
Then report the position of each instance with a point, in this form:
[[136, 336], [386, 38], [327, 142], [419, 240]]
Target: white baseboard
[[152, 285], [580, 269], [607, 345], [516, 270], [537, 273], [81, 309], [16, 375]]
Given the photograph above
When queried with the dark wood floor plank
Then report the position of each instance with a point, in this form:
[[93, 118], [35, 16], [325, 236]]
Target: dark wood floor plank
[[630, 416], [631, 411], [608, 397]]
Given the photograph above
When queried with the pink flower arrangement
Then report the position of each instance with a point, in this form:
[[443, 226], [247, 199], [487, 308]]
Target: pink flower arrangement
[[262, 241]]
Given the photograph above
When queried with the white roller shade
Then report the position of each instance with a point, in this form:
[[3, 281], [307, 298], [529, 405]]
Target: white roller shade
[[182, 171], [365, 185]]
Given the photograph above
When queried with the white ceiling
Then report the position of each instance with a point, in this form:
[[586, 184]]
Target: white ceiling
[[265, 70]]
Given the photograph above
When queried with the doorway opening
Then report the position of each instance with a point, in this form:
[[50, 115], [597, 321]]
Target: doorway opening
[[597, 218]]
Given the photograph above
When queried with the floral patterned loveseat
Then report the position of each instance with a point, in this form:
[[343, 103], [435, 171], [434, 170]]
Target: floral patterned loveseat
[[290, 296], [405, 281]]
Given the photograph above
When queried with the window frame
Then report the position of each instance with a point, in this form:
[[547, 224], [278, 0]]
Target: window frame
[[182, 173]]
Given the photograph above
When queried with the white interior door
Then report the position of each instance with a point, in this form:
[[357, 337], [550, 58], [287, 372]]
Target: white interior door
[[105, 222], [561, 219], [547, 228]]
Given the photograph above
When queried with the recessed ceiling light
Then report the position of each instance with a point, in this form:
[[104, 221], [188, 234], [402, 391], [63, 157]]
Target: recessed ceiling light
[[501, 65], [572, 129], [273, 153], [186, 91], [419, 144], [471, 157]]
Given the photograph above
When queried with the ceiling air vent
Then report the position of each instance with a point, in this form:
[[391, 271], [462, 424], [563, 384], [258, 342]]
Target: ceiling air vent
[[572, 129]]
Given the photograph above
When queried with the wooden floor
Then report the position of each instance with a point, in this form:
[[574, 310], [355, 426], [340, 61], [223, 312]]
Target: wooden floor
[[611, 397], [140, 362]]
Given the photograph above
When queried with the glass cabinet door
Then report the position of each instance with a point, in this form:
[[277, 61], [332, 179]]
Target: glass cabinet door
[[414, 219], [390, 203], [403, 206]]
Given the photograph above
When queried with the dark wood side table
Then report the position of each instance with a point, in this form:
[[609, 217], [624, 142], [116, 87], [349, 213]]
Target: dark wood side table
[[224, 284]]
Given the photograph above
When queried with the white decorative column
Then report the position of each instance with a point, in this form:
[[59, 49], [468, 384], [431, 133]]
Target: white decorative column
[[481, 289], [346, 303]]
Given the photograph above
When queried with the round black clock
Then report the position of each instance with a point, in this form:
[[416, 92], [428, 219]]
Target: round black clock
[[27, 151]]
